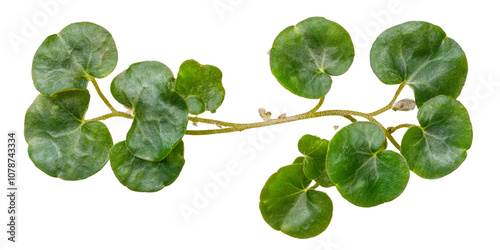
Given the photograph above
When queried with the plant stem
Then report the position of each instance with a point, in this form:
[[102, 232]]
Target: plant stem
[[389, 106], [316, 185], [393, 141], [232, 127], [215, 122], [313, 113], [406, 125], [244, 126], [104, 99], [321, 100]]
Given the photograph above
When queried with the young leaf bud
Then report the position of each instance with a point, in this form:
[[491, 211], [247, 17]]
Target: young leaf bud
[[264, 114], [404, 105]]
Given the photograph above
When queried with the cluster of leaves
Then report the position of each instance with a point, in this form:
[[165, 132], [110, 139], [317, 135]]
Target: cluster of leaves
[[62, 143], [304, 57], [356, 160]]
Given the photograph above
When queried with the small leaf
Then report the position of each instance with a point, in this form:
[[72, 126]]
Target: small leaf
[[288, 205], [160, 114], [440, 144], [314, 150], [146, 176], [364, 172], [61, 143], [201, 86], [68, 60], [323, 180], [305, 56], [420, 54]]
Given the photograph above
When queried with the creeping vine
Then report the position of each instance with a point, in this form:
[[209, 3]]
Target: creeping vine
[[303, 58]]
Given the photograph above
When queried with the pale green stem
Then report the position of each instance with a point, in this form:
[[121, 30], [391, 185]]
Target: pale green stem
[[389, 106], [104, 99]]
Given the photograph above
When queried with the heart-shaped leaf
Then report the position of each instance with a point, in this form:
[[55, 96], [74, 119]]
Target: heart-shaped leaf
[[61, 143], [323, 179], [364, 172], [160, 113], [68, 60], [420, 54], [146, 176], [288, 205], [305, 56], [314, 150], [201, 86], [440, 144]]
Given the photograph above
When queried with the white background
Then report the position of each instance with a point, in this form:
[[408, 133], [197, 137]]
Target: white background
[[460, 211]]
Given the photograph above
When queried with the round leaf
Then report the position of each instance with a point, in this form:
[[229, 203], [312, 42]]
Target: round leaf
[[160, 113], [440, 144], [287, 205], [305, 56], [71, 58], [201, 86], [61, 143], [314, 150], [146, 176], [323, 179], [420, 54], [364, 172]]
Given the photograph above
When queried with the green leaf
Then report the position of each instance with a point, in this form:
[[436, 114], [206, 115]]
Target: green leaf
[[314, 150], [305, 56], [420, 54], [160, 114], [364, 172], [146, 176], [440, 144], [201, 86], [288, 205], [61, 143], [68, 60], [323, 180]]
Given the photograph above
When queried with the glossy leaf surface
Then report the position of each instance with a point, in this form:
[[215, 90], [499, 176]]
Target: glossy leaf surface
[[160, 113], [305, 56], [61, 143], [287, 205], [314, 150], [146, 176], [440, 144], [68, 60], [420, 54], [201, 86], [323, 180], [364, 172]]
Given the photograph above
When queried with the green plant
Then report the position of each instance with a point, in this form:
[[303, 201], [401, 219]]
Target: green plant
[[304, 57]]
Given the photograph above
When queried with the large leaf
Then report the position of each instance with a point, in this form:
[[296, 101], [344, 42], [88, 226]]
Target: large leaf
[[61, 143], [305, 56], [364, 172], [288, 205], [71, 58], [201, 86], [160, 113], [440, 144], [421, 55], [146, 176]]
